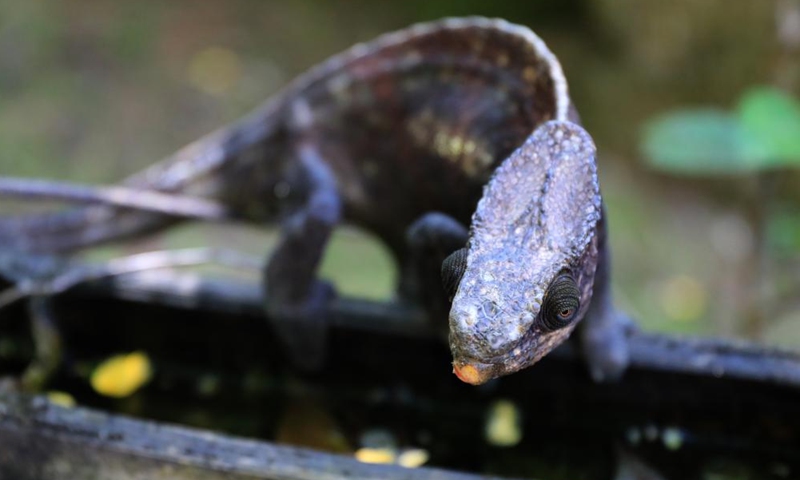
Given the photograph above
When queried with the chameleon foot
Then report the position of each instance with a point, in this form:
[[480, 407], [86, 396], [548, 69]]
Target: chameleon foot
[[302, 328], [605, 346]]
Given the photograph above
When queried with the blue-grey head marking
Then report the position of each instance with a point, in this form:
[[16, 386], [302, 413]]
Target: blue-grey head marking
[[537, 219]]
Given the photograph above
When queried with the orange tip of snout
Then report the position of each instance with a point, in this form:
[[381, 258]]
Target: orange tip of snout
[[468, 374]]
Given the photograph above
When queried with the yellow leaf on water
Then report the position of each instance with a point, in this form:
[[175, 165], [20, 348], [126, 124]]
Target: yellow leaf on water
[[503, 425], [413, 458], [121, 375], [375, 455], [306, 423], [63, 399]]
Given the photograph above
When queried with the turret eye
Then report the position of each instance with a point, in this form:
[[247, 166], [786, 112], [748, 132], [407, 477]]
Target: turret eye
[[561, 303], [453, 269]]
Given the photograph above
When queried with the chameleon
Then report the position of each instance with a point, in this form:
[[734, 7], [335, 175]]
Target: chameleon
[[457, 144]]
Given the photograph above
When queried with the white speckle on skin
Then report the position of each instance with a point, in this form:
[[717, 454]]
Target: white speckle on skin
[[470, 315], [527, 319], [338, 85], [512, 334], [487, 276], [302, 115], [360, 50]]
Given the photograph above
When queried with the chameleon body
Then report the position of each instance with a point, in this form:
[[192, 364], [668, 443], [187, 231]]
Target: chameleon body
[[382, 135]]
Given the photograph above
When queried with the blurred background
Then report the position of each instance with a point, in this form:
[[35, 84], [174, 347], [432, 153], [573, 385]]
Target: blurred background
[[92, 91]]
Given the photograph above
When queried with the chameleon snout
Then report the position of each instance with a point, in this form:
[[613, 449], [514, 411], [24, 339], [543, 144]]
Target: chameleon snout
[[484, 330], [482, 348], [473, 373]]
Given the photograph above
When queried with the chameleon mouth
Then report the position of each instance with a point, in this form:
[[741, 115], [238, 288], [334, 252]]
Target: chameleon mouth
[[473, 373]]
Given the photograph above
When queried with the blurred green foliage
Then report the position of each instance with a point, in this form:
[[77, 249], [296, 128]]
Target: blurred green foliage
[[758, 140], [701, 142], [772, 118], [763, 132]]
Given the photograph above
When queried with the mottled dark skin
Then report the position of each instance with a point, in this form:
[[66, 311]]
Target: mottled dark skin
[[400, 136]]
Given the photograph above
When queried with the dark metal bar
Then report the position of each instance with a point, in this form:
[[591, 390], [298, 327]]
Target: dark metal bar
[[702, 356], [684, 404], [43, 441]]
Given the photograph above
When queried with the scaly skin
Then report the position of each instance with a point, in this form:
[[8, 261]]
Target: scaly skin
[[538, 219], [413, 122]]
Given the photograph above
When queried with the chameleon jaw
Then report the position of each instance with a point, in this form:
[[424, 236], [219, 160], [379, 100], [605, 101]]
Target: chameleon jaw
[[523, 356], [473, 373], [477, 373]]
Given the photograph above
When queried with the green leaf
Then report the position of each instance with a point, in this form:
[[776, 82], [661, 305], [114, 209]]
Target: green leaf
[[773, 118], [700, 142]]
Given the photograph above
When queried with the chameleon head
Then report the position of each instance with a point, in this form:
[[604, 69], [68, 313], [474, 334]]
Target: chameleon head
[[525, 279]]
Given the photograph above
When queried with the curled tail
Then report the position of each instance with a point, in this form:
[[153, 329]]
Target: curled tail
[[220, 165]]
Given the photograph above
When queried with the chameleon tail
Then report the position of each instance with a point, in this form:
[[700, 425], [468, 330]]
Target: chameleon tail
[[226, 165], [75, 228], [203, 169]]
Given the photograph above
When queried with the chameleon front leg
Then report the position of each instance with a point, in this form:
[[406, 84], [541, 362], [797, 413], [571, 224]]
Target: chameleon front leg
[[432, 239], [603, 334], [296, 300]]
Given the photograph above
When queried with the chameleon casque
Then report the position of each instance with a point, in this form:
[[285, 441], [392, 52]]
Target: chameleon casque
[[456, 143]]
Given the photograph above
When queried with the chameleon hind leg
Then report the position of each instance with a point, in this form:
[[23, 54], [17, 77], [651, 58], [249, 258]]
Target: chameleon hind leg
[[296, 300], [431, 239]]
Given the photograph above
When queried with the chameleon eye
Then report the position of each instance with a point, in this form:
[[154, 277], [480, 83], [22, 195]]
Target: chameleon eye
[[561, 303], [453, 269]]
